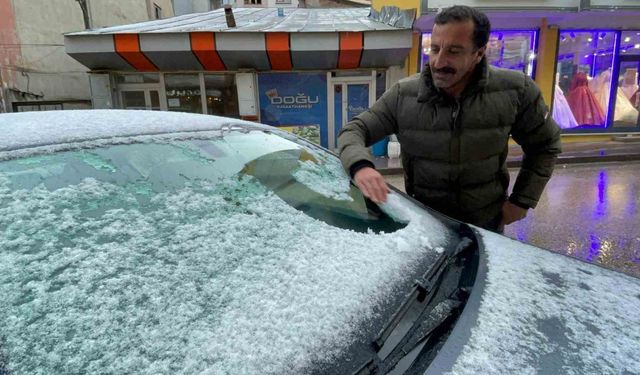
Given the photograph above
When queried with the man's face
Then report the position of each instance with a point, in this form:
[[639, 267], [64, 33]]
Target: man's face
[[453, 55]]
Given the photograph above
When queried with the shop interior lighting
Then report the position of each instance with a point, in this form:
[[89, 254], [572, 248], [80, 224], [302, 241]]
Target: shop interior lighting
[[637, 46], [589, 39], [627, 39]]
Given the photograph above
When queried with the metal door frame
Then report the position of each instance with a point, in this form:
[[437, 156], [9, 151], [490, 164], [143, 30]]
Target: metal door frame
[[146, 87], [345, 82]]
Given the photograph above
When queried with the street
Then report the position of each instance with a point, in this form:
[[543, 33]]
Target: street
[[588, 211]]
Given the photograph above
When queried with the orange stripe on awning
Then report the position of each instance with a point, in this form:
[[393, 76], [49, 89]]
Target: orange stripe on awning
[[203, 45], [351, 45], [279, 51], [128, 47]]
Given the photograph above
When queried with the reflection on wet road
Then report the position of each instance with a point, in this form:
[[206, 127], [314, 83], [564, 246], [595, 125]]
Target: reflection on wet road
[[588, 211], [591, 212]]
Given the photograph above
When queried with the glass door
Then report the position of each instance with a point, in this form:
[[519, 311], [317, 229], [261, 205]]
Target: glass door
[[349, 100], [142, 99]]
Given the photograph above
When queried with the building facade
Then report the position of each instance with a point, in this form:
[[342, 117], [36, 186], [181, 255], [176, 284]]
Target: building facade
[[583, 54], [305, 70], [35, 71]]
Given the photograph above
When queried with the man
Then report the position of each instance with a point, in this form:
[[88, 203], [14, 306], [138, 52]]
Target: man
[[453, 123]]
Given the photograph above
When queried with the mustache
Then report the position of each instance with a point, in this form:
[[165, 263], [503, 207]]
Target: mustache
[[445, 70]]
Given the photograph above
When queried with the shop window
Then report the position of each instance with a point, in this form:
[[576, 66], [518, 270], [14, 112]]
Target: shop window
[[50, 105], [252, 2], [509, 49], [221, 95], [157, 11], [183, 92], [627, 98], [583, 80]]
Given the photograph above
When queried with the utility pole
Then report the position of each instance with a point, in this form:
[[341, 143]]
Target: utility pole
[[85, 13]]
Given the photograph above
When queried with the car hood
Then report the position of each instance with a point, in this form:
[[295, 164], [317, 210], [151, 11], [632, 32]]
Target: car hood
[[537, 312]]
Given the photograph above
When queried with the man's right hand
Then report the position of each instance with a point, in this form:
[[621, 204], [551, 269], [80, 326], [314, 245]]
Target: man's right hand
[[372, 184]]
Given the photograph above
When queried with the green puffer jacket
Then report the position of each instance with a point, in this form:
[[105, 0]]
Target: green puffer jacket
[[454, 151]]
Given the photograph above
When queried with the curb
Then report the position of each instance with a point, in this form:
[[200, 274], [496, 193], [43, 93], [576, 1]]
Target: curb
[[561, 160]]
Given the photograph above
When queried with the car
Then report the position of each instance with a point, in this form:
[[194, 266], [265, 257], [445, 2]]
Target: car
[[139, 242]]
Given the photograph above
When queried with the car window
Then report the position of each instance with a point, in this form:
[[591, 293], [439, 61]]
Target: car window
[[206, 253], [311, 182]]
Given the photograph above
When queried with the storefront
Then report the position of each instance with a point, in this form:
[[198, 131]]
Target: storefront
[[584, 55], [308, 71], [596, 86]]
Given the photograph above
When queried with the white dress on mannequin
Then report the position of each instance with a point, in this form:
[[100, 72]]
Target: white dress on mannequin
[[562, 112]]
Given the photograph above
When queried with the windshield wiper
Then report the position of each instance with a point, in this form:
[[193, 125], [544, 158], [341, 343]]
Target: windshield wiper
[[426, 314]]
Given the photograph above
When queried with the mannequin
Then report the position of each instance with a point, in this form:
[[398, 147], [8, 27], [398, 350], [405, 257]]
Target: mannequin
[[561, 111], [630, 82], [584, 105], [601, 87]]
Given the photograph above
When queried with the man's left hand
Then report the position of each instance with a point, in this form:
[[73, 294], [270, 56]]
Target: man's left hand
[[511, 213]]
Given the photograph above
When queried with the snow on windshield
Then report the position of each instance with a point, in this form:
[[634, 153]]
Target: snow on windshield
[[542, 313], [215, 277], [325, 176]]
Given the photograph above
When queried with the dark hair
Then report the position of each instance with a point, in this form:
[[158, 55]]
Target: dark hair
[[461, 13]]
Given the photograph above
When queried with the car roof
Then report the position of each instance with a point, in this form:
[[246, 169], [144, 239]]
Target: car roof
[[35, 129]]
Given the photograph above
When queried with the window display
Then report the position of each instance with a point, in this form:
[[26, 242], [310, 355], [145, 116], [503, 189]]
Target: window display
[[183, 92], [585, 60], [509, 49], [221, 95]]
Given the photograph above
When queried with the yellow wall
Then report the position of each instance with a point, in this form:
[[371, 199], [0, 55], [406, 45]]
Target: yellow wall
[[412, 64], [402, 4], [545, 67]]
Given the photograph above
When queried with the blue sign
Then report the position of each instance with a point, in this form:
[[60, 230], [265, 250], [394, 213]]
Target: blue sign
[[295, 100]]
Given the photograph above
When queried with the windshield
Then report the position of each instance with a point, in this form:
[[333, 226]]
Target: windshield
[[243, 253]]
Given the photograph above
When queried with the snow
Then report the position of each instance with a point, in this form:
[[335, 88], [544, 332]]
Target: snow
[[543, 313], [32, 129], [202, 272], [325, 176]]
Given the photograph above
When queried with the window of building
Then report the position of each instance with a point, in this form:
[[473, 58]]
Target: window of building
[[221, 95], [509, 49], [183, 92], [583, 79], [215, 4], [50, 105], [157, 11], [252, 2], [627, 97]]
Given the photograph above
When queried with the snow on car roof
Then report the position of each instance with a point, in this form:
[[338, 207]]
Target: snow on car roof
[[33, 129], [542, 313]]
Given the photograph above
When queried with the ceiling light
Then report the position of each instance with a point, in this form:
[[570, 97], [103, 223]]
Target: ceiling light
[[627, 39]]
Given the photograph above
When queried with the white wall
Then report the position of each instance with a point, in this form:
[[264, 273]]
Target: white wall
[[45, 69]]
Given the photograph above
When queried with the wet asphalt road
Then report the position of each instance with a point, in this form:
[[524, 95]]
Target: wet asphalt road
[[588, 211]]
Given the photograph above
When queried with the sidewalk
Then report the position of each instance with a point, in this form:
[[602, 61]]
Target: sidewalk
[[573, 152]]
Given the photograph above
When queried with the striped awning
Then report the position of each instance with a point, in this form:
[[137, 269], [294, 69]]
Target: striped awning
[[302, 39]]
